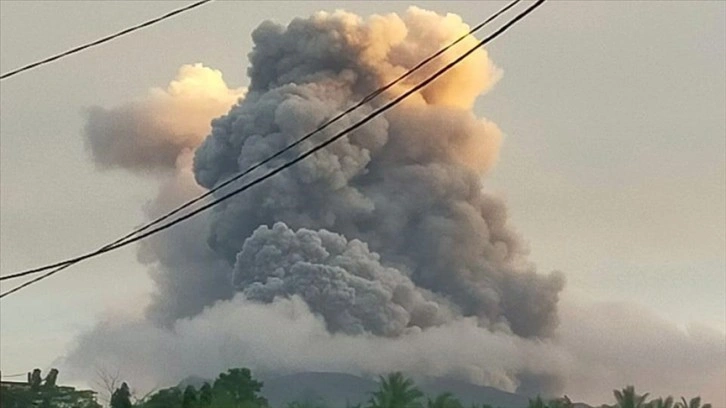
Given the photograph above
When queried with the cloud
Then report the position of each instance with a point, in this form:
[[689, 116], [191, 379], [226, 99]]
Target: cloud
[[284, 336], [340, 280], [152, 132], [617, 343], [382, 252], [600, 347], [408, 185]]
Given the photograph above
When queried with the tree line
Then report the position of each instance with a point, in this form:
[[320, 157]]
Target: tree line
[[237, 388]]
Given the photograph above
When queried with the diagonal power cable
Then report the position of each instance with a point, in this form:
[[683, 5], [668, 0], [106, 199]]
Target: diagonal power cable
[[102, 40], [298, 159], [238, 176]]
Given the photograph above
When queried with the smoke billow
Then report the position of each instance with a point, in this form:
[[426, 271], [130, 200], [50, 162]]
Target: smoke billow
[[381, 252], [599, 347], [408, 185], [153, 132], [160, 132], [341, 281]]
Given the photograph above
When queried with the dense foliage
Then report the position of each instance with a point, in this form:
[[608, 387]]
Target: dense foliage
[[237, 388], [46, 395]]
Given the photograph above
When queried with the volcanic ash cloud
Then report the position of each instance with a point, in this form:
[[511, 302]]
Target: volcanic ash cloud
[[152, 132], [408, 185], [385, 236]]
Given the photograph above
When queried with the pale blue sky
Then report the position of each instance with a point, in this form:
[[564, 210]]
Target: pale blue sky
[[614, 162]]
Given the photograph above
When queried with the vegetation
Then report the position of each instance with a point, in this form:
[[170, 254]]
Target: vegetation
[[627, 398], [121, 398], [396, 391], [45, 394], [445, 400], [237, 388]]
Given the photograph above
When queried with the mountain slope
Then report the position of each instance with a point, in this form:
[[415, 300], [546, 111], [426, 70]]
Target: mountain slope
[[338, 389]]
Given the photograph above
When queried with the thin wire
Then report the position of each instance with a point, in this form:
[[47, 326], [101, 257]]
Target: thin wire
[[238, 176], [102, 40], [37, 279], [15, 375], [298, 159], [294, 161]]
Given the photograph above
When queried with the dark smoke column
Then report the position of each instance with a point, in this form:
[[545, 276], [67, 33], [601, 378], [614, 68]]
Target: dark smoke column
[[405, 190]]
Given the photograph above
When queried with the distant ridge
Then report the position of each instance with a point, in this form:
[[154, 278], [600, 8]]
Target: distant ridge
[[337, 390]]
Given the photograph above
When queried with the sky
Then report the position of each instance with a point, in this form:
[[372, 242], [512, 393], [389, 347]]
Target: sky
[[613, 163]]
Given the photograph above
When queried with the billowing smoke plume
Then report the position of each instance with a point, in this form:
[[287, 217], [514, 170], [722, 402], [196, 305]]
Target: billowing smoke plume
[[343, 281], [599, 347], [153, 132], [381, 252], [160, 132], [408, 185]]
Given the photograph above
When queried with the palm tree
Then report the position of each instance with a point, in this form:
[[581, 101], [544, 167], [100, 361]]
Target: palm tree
[[537, 403], [661, 403], [694, 403], [445, 400], [396, 391], [627, 398]]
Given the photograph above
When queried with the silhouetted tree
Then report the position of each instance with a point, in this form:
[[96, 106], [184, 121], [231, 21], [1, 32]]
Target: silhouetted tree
[[205, 395], [537, 403], [121, 398], [166, 398], [627, 398], [189, 399], [107, 382], [661, 403], [445, 400], [396, 391], [693, 403], [237, 388]]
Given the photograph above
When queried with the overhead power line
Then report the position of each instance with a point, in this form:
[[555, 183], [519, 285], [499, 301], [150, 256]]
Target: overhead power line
[[238, 176], [110, 247], [62, 265], [102, 40], [14, 375]]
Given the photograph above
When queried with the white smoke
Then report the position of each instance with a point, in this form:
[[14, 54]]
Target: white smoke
[[600, 347], [379, 253], [286, 337], [613, 344]]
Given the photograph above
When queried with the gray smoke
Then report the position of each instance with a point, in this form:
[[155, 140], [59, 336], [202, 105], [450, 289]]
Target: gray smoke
[[160, 132], [150, 134], [599, 347], [408, 185], [386, 238], [379, 253], [342, 281]]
